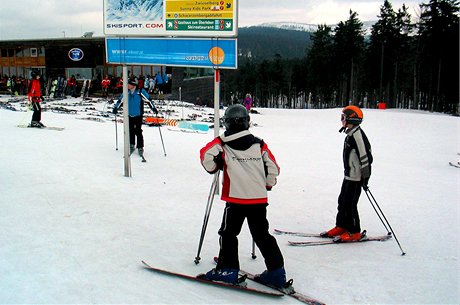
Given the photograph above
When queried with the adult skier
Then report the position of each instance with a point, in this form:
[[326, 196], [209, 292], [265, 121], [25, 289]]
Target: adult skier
[[136, 99], [250, 169], [35, 97], [357, 160]]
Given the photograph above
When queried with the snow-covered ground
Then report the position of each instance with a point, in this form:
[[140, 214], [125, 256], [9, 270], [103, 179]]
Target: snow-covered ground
[[74, 229]]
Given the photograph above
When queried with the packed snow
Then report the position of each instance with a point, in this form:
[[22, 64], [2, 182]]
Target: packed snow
[[75, 229]]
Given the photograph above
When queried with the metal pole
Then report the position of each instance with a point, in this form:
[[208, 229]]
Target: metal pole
[[216, 112], [161, 137], [253, 254], [146, 99], [116, 133], [212, 192], [392, 232], [380, 217], [126, 122], [216, 102]]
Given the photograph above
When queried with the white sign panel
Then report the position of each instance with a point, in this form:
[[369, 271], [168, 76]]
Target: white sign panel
[[206, 18]]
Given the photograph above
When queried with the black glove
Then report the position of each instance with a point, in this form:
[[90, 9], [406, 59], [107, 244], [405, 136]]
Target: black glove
[[115, 110], [364, 183], [155, 110], [219, 161]]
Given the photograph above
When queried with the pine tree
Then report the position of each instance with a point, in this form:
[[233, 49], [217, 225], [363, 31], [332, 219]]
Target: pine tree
[[349, 47], [439, 48]]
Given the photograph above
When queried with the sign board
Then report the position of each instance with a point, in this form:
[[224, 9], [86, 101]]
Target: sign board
[[199, 18], [178, 52]]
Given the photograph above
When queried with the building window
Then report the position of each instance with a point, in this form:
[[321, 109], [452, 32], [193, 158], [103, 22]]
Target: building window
[[191, 73], [33, 52]]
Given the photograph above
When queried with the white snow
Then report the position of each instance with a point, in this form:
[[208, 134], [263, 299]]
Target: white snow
[[74, 229]]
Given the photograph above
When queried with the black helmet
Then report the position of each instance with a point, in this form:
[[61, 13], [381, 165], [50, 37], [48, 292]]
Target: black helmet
[[236, 118], [133, 81]]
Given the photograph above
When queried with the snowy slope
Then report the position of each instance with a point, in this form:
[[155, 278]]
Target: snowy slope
[[74, 229]]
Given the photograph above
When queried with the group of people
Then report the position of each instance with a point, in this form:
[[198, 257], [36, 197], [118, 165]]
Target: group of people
[[250, 171], [15, 85], [157, 84]]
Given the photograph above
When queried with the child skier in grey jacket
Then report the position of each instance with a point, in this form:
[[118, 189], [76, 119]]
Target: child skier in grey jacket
[[249, 170]]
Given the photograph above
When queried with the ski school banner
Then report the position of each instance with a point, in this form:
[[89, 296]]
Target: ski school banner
[[178, 52]]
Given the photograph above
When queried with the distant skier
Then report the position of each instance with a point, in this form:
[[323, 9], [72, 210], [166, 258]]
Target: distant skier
[[135, 111], [357, 160], [35, 97], [248, 102], [250, 169]]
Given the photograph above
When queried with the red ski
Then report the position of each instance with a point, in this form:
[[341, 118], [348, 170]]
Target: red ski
[[337, 240]]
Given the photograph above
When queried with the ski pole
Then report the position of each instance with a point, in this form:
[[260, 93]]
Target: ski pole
[[378, 214], [161, 136], [381, 212], [212, 192], [116, 133], [159, 125], [253, 254]]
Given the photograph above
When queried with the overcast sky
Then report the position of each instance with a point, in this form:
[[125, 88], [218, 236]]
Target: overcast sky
[[30, 19]]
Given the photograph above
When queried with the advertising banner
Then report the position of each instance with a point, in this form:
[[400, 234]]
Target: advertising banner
[[178, 52]]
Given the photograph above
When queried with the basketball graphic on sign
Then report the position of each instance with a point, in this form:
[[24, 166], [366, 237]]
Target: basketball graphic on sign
[[216, 55]]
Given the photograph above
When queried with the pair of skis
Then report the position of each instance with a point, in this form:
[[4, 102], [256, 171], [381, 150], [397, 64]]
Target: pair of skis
[[329, 241], [44, 127], [457, 165], [242, 285]]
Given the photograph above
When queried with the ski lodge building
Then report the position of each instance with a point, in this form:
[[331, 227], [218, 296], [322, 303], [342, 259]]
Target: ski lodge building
[[85, 58]]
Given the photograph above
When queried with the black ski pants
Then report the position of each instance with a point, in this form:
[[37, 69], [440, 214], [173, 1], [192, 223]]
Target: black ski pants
[[135, 131], [37, 114], [232, 222], [347, 215]]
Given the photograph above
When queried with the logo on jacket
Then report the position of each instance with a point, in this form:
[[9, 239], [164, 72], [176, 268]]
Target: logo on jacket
[[76, 54], [244, 160]]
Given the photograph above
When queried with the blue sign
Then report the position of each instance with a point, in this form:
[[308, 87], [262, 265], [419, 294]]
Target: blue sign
[[76, 54], [179, 52]]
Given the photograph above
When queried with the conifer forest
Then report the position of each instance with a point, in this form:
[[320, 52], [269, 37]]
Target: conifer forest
[[405, 61]]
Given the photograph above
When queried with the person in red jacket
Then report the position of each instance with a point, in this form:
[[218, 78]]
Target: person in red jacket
[[35, 96], [72, 86], [249, 170], [105, 86]]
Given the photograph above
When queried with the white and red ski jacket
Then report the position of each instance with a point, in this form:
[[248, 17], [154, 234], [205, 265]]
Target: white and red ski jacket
[[249, 167]]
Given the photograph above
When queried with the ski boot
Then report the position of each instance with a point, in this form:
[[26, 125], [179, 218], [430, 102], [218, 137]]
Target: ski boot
[[348, 237], [336, 231], [275, 278], [35, 124], [227, 275]]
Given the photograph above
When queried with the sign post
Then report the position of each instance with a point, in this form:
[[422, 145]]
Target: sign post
[[126, 123], [216, 102], [210, 27]]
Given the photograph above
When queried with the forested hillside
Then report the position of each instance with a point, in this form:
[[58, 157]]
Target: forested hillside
[[261, 43]]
